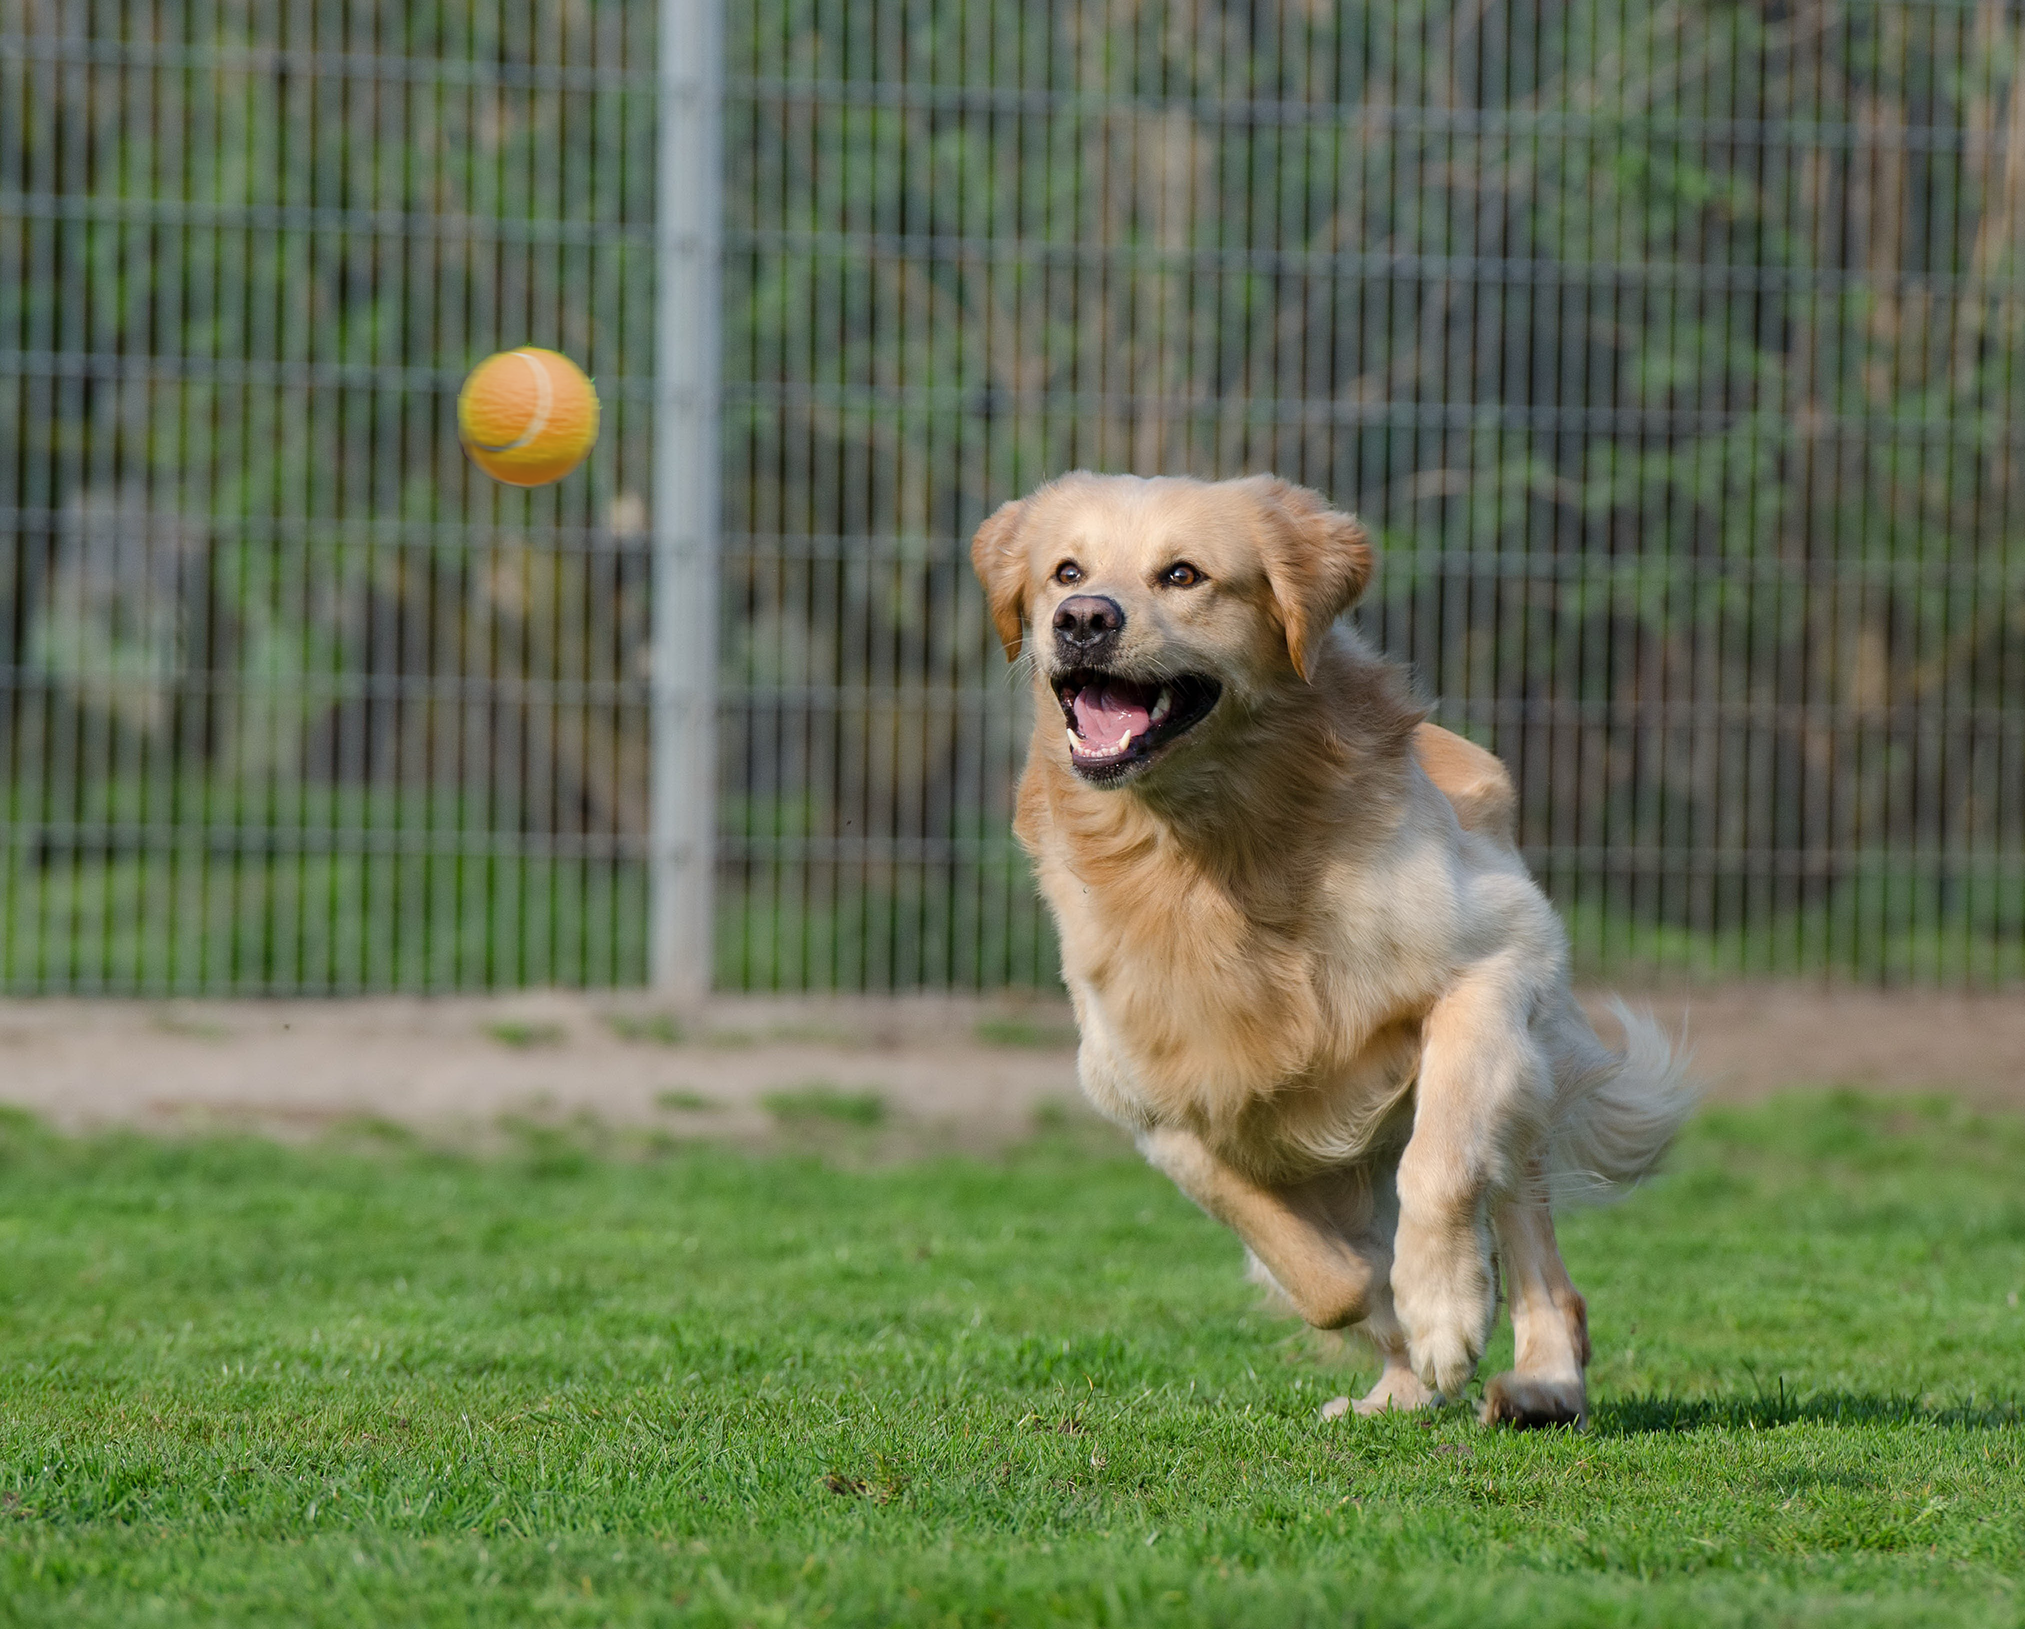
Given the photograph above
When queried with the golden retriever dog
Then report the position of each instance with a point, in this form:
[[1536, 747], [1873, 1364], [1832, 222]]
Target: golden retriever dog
[[1311, 972]]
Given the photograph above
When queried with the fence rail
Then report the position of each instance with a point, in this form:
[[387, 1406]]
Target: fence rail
[[1673, 353]]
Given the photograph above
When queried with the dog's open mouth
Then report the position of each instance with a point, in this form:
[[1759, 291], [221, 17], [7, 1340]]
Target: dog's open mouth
[[1116, 724]]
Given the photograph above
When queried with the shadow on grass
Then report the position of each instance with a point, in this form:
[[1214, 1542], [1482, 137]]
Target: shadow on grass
[[1639, 1416]]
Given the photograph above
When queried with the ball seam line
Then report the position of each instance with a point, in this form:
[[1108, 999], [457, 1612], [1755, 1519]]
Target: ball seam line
[[544, 405]]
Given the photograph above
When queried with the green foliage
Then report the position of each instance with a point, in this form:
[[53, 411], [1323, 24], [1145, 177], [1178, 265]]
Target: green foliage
[[1673, 352], [1689, 421], [237, 901], [248, 1384]]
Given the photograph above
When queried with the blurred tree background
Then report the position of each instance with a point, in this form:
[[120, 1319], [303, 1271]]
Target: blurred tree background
[[1672, 350]]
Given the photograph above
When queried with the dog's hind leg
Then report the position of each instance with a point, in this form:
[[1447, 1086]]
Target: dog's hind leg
[[1550, 1323], [1397, 1387]]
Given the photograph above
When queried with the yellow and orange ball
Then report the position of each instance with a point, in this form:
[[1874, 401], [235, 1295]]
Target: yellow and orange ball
[[527, 417]]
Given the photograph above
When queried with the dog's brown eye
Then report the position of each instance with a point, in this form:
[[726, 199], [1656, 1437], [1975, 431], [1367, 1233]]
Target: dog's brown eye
[[1068, 572], [1181, 575]]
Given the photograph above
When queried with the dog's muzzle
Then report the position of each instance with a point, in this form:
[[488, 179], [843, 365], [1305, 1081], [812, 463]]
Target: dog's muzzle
[[1117, 724]]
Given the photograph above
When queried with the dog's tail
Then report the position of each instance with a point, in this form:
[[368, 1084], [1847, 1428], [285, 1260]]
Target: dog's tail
[[1618, 1113]]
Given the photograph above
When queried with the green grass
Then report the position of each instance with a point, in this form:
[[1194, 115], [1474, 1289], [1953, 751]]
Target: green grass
[[659, 1028], [686, 1099], [367, 1383], [819, 1101], [521, 1034], [1031, 1032], [193, 922]]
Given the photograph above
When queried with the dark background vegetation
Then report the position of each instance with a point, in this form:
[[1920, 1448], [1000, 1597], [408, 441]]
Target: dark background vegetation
[[1672, 350]]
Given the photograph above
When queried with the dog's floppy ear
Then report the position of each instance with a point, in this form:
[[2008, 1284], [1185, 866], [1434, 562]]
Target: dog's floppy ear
[[1318, 561], [1001, 565]]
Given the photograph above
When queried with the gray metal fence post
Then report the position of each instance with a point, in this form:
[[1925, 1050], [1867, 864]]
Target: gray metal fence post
[[686, 495]]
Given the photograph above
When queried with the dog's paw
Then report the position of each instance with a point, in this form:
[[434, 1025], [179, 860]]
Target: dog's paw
[[1445, 1359], [1398, 1388], [1531, 1400], [1445, 1299]]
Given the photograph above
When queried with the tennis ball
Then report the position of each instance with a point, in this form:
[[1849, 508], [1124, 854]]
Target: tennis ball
[[527, 417]]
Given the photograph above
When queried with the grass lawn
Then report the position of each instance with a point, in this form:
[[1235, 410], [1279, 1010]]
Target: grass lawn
[[366, 1383]]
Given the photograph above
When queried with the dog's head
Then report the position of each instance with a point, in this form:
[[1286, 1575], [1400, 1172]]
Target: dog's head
[[1157, 607]]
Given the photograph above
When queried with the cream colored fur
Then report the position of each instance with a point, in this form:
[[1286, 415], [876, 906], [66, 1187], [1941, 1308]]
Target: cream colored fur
[[1311, 971]]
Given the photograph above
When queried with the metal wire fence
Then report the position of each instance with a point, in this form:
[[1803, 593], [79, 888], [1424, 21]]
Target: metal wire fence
[[1672, 350], [295, 699]]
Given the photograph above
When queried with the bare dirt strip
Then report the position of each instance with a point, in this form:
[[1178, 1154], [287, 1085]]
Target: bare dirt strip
[[969, 1072]]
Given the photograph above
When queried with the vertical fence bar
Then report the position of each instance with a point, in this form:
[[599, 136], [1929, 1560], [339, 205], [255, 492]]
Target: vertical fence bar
[[683, 820]]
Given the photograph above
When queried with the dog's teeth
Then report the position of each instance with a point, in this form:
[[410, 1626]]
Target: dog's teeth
[[1075, 740], [1089, 751], [1163, 706]]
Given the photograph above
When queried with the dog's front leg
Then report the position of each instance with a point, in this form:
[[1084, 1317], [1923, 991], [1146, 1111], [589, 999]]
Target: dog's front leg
[[1330, 1282], [1482, 1096]]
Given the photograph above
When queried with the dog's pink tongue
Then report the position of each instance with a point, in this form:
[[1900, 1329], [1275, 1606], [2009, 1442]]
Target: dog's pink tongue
[[1106, 716]]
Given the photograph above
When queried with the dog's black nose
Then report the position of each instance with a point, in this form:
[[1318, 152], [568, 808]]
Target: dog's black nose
[[1085, 621]]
